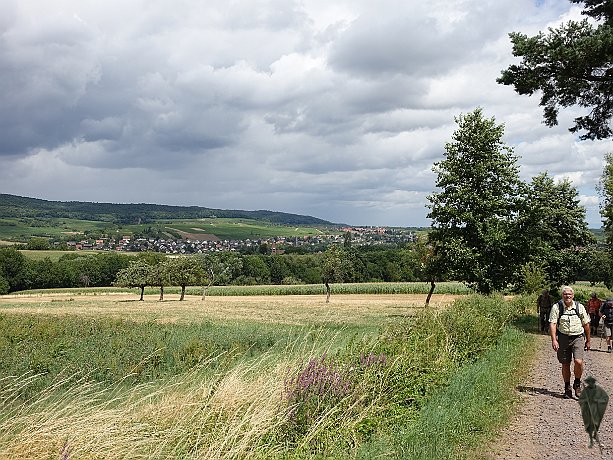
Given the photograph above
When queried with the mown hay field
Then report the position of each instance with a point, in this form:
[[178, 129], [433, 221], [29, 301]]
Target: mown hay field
[[361, 310]]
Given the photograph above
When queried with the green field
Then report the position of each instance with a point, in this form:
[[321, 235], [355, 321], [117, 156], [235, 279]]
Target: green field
[[412, 288], [22, 229], [235, 229], [16, 229], [54, 255]]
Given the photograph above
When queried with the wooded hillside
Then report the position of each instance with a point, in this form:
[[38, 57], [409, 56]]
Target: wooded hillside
[[18, 206]]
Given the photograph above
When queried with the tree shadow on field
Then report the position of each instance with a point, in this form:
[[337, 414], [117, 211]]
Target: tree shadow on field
[[150, 300]]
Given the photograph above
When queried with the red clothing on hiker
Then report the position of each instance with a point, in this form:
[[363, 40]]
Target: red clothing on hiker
[[593, 305]]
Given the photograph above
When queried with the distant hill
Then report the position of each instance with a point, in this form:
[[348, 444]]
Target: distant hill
[[20, 207]]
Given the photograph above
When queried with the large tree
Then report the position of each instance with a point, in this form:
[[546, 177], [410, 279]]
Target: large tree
[[571, 65], [136, 275], [605, 189], [185, 271], [473, 214], [552, 230], [15, 269]]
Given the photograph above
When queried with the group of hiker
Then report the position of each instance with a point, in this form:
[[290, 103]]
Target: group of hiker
[[571, 326]]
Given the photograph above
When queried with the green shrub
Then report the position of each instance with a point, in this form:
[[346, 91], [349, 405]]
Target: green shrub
[[460, 416], [384, 383]]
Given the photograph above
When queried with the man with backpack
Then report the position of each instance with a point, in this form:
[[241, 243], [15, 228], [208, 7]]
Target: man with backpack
[[543, 305], [606, 313], [569, 327], [593, 308]]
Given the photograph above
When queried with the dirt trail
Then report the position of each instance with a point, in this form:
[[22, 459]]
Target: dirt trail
[[548, 426]]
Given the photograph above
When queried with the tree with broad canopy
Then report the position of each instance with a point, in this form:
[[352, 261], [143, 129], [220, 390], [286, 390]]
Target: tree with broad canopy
[[571, 65]]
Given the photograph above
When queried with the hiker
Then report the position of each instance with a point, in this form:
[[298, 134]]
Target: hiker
[[606, 313], [569, 326], [543, 305], [593, 309]]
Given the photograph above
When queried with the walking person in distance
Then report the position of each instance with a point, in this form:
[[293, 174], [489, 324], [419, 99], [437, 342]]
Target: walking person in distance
[[543, 305], [593, 308], [606, 313], [569, 327]]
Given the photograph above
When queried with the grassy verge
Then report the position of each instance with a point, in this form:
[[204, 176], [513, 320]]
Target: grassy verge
[[477, 402]]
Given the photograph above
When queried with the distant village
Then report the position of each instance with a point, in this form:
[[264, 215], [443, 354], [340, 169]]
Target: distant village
[[358, 236]]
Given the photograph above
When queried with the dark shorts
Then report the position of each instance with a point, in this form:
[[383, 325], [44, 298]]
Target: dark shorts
[[570, 346], [594, 320]]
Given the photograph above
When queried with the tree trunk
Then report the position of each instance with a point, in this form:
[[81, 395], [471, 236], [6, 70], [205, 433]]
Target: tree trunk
[[161, 293], [327, 292], [432, 286], [204, 289], [142, 292], [182, 292]]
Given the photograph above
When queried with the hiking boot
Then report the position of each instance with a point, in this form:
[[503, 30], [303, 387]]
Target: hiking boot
[[609, 349], [568, 393], [577, 388]]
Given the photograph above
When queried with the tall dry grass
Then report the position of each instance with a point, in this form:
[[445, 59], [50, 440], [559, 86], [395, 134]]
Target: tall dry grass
[[236, 414]]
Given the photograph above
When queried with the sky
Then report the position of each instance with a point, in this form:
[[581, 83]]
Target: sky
[[333, 109]]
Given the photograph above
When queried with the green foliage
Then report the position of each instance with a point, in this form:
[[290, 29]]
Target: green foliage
[[487, 224], [605, 189], [596, 267], [56, 269], [552, 231], [4, 285], [334, 265], [467, 412], [17, 206], [533, 278], [38, 244], [184, 271], [570, 65], [137, 274], [472, 229], [390, 379], [14, 269]]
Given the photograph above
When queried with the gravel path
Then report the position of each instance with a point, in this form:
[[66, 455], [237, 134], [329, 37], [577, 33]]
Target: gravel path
[[548, 426]]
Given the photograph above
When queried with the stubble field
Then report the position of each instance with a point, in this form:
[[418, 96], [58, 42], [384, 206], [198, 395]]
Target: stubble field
[[357, 310]]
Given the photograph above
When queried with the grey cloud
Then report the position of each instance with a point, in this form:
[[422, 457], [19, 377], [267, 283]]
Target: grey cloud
[[332, 109], [45, 68], [408, 45]]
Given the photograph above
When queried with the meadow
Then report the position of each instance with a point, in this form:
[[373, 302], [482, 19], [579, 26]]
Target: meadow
[[234, 229], [98, 374], [22, 229], [17, 229]]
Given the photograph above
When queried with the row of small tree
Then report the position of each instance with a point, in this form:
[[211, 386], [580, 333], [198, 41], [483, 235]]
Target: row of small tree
[[180, 271]]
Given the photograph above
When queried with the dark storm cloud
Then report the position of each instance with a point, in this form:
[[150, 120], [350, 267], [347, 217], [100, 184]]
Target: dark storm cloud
[[333, 109]]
